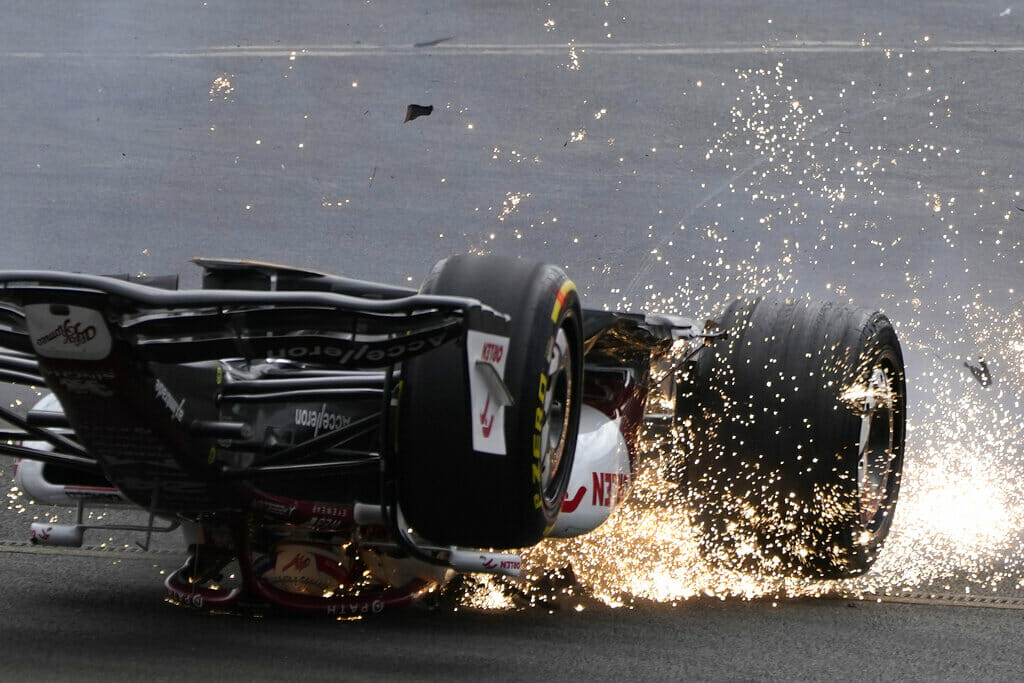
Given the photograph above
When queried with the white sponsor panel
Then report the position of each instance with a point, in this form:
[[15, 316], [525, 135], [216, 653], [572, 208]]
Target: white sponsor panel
[[487, 412], [480, 562], [310, 569], [70, 332], [31, 478], [600, 478]]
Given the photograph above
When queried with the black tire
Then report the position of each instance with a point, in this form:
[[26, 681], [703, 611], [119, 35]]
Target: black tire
[[448, 492], [795, 429]]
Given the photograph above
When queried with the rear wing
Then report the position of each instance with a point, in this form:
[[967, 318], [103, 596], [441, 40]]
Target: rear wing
[[104, 345], [74, 317]]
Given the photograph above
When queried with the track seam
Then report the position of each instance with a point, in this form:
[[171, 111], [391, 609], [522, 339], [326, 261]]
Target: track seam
[[528, 50], [957, 600]]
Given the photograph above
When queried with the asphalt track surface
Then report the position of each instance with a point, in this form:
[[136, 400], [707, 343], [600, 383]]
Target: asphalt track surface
[[669, 156]]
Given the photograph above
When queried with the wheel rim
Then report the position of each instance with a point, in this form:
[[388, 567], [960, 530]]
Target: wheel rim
[[557, 413], [877, 447]]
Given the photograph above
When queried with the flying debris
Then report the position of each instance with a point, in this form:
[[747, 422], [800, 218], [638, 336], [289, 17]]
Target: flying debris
[[432, 43], [416, 110], [980, 371]]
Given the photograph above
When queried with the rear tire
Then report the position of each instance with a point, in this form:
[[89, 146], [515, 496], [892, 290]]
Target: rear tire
[[452, 494], [795, 429]]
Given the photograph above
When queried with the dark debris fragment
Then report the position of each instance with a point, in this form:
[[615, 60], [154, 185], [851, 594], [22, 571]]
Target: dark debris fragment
[[414, 111], [432, 43], [979, 369]]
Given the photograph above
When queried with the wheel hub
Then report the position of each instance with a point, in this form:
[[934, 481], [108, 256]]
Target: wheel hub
[[876, 445]]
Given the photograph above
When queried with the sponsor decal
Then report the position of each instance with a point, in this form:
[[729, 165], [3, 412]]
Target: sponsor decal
[[321, 419], [570, 504], [488, 423], [306, 569], [334, 511], [491, 563], [609, 488], [87, 382], [538, 431], [176, 407], [70, 332], [299, 562], [355, 352], [187, 599], [492, 353], [487, 419], [359, 607], [274, 509]]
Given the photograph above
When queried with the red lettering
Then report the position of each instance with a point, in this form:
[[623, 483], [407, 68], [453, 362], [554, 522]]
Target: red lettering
[[492, 353], [300, 562], [609, 488]]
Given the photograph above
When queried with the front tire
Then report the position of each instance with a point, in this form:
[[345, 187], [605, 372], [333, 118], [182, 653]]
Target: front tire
[[452, 494], [795, 423]]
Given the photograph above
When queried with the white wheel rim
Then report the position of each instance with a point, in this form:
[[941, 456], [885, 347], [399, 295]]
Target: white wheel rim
[[876, 443]]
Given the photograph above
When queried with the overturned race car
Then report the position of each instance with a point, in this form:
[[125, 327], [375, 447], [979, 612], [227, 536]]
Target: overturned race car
[[343, 447]]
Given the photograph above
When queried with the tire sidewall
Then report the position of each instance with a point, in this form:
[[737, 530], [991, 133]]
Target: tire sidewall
[[449, 492], [771, 427]]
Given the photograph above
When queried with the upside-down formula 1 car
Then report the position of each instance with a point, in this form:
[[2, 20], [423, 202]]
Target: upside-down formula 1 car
[[344, 447]]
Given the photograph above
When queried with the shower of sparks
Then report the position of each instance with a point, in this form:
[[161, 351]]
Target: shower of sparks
[[510, 204], [574, 58], [795, 170], [221, 88]]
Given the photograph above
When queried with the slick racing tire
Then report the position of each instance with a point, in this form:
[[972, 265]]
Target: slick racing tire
[[795, 429], [448, 492]]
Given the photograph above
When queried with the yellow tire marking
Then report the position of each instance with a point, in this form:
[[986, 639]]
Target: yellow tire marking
[[567, 287]]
